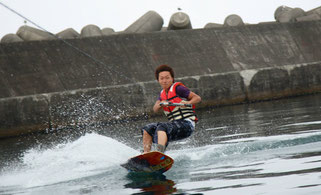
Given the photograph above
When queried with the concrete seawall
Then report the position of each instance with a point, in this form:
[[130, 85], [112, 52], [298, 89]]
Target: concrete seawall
[[48, 85]]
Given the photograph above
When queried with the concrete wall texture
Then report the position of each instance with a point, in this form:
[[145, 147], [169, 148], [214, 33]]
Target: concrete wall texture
[[51, 84]]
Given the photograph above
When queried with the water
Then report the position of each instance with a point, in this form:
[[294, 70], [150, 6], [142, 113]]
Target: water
[[262, 148]]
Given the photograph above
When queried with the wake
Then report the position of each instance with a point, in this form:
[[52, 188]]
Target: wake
[[90, 155]]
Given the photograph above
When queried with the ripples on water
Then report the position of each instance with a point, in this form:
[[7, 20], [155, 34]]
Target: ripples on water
[[262, 148]]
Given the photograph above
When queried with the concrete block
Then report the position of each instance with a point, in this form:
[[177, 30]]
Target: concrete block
[[213, 25], [91, 31], [9, 38], [290, 15], [222, 89], [306, 79], [23, 115], [190, 82], [69, 33], [269, 84], [149, 22], [5, 88], [178, 21], [281, 10], [233, 20], [308, 18], [315, 11], [107, 31], [28, 33], [297, 12]]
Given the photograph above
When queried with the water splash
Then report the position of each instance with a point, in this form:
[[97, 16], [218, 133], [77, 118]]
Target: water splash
[[91, 154], [83, 110]]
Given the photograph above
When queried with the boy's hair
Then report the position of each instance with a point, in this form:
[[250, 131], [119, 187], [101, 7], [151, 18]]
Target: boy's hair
[[163, 68]]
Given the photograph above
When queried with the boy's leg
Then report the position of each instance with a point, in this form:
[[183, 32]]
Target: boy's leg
[[148, 132], [147, 142], [162, 140]]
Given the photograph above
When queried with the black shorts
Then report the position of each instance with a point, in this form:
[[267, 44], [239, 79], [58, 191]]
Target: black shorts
[[175, 130]]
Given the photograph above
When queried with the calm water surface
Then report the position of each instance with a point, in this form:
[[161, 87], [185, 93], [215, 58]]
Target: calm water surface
[[262, 148]]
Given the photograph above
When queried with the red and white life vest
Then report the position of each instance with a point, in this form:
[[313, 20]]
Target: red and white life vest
[[176, 112]]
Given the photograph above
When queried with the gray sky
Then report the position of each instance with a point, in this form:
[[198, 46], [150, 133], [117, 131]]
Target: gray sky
[[57, 15]]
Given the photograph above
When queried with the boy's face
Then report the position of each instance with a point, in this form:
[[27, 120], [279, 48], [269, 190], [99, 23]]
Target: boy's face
[[165, 79]]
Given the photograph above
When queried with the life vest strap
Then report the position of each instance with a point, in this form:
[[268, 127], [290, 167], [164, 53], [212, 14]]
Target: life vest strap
[[172, 98], [182, 117], [180, 113]]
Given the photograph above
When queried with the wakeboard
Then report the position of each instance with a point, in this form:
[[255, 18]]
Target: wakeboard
[[151, 162]]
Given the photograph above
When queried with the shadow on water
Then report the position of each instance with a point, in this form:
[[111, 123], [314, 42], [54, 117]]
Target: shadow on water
[[151, 183]]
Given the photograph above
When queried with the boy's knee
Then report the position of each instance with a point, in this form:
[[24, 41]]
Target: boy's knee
[[161, 127], [144, 132], [161, 132]]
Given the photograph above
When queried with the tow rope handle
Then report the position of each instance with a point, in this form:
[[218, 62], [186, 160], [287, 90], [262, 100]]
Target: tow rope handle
[[174, 104]]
